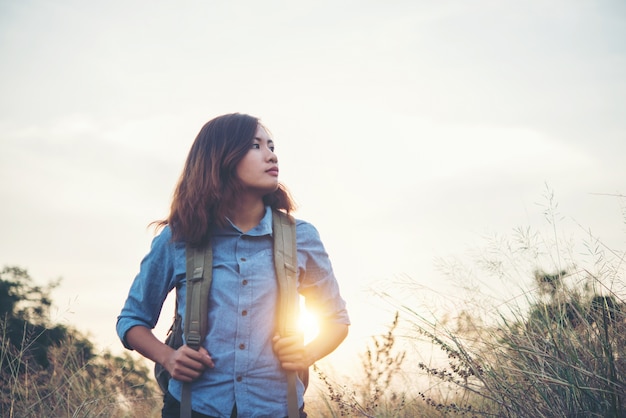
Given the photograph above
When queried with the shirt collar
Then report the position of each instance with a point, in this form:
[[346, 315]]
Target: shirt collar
[[263, 228]]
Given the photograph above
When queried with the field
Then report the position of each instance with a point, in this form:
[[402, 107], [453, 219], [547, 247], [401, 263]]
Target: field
[[556, 349]]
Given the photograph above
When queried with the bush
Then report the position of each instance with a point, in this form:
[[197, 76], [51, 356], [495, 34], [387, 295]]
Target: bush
[[50, 370]]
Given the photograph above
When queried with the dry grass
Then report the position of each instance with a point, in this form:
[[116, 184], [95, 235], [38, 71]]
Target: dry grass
[[50, 370], [72, 386], [559, 350], [556, 349]]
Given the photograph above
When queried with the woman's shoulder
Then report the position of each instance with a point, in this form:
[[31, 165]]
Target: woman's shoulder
[[163, 239], [306, 232], [163, 235], [165, 250], [304, 226]]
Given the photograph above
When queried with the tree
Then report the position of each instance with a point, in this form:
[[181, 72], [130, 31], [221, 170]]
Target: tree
[[24, 309], [49, 369]]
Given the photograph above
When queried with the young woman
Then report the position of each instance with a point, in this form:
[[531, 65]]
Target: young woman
[[225, 196]]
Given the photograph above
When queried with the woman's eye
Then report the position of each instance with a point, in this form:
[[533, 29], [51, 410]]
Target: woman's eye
[[272, 148], [256, 146]]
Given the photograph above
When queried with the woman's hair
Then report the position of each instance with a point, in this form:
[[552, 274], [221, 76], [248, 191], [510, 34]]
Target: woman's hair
[[208, 186]]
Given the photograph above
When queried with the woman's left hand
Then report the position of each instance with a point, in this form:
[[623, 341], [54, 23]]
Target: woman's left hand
[[291, 352], [294, 355]]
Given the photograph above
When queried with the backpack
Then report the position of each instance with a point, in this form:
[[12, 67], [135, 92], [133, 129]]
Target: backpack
[[199, 270]]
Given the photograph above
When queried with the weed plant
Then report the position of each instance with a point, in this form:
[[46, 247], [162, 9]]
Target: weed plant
[[556, 346], [557, 351]]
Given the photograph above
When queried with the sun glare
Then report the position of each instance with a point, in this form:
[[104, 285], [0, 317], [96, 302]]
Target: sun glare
[[307, 323]]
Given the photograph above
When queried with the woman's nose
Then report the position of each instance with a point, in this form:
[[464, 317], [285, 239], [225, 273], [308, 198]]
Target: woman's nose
[[271, 156]]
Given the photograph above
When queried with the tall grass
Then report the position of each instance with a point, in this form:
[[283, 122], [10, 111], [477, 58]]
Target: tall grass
[[72, 385], [552, 345], [50, 370], [553, 359], [558, 350]]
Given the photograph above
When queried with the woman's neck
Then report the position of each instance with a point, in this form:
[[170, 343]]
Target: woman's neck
[[247, 214]]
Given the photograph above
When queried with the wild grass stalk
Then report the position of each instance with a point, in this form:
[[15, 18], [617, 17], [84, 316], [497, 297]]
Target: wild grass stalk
[[375, 395], [559, 350]]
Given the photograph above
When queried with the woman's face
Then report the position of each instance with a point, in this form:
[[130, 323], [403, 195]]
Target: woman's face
[[258, 170]]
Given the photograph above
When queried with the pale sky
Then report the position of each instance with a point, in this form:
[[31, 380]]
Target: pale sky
[[406, 130]]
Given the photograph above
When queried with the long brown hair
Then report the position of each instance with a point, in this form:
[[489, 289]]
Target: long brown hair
[[208, 186]]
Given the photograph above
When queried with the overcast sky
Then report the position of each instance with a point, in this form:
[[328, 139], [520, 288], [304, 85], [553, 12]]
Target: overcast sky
[[406, 130]]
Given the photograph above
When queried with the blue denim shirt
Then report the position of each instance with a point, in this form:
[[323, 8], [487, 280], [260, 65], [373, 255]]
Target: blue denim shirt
[[242, 312]]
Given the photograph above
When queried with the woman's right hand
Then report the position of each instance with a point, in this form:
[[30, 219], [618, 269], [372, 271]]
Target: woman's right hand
[[187, 364], [184, 364]]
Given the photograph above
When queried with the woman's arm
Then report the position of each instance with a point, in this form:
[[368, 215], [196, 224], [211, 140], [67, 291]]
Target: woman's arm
[[184, 364], [294, 355], [318, 285]]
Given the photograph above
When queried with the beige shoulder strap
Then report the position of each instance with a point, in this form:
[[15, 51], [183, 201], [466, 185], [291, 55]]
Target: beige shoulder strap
[[286, 265], [199, 275]]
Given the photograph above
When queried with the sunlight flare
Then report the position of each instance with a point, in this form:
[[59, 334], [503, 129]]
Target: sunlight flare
[[307, 323]]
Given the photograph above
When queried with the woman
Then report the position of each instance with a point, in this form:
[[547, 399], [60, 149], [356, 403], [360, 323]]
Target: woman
[[225, 196]]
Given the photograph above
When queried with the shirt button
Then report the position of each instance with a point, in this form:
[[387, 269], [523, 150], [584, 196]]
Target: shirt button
[[239, 378], [243, 258], [242, 346], [244, 282], [244, 313]]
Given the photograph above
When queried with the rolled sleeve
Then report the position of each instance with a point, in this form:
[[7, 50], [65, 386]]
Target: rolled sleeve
[[317, 281], [158, 275]]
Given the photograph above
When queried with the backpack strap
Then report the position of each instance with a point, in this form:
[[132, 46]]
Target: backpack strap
[[286, 264], [199, 274]]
